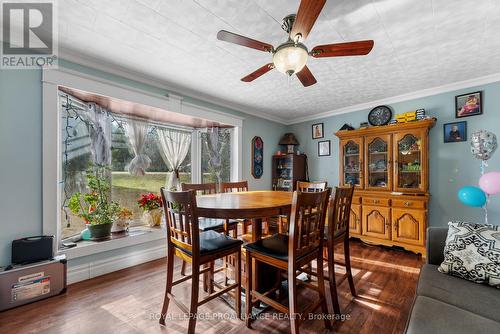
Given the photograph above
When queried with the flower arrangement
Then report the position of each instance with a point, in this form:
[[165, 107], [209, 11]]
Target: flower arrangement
[[149, 202], [125, 213], [95, 206]]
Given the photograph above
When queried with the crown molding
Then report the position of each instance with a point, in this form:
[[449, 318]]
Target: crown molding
[[171, 88], [401, 98]]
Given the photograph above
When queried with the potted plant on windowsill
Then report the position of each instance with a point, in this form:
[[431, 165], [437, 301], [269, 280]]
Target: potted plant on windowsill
[[95, 206], [152, 206], [122, 221]]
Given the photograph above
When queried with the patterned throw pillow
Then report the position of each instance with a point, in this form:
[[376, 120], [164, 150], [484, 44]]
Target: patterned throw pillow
[[472, 252]]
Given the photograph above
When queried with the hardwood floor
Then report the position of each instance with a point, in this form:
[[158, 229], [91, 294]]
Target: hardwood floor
[[129, 301]]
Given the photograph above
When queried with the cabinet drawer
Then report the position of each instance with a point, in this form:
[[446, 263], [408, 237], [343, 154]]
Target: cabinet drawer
[[376, 201], [408, 203]]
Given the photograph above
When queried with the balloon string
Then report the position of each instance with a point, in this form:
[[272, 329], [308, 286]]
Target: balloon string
[[485, 207], [484, 164]]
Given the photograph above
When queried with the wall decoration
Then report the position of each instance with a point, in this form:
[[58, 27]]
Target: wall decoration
[[455, 132], [317, 131], [380, 115], [469, 104], [324, 148], [257, 157]]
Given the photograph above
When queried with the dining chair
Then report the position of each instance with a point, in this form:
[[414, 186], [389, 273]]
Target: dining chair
[[207, 224], [290, 253], [185, 241], [239, 186], [302, 186], [227, 187], [310, 187], [337, 232]]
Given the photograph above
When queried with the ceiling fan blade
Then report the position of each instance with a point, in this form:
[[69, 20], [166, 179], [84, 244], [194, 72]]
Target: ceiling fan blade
[[306, 16], [255, 74], [359, 48], [230, 37], [306, 77]]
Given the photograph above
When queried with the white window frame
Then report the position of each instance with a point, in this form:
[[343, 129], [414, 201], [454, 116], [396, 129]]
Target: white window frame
[[51, 148]]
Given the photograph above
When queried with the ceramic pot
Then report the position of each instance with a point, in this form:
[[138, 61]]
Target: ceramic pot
[[99, 231], [153, 217], [120, 225]]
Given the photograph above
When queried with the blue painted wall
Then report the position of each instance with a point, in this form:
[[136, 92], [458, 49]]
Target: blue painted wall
[[21, 149], [451, 165]]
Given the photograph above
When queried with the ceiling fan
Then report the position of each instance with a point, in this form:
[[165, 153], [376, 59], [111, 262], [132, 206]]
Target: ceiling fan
[[291, 56]]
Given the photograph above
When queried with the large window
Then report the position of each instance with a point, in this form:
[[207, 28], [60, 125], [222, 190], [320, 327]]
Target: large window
[[83, 134], [216, 155]]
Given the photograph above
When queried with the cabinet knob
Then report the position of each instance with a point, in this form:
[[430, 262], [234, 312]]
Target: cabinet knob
[[408, 203], [376, 201]]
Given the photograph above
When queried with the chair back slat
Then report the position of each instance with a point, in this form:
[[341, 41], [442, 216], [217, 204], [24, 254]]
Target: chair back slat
[[228, 187], [339, 211], [307, 222], [311, 187], [181, 218], [200, 188]]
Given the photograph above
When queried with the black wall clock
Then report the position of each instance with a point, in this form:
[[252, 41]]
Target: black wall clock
[[380, 115]]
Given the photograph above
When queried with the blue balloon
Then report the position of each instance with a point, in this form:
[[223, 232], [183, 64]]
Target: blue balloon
[[472, 196]]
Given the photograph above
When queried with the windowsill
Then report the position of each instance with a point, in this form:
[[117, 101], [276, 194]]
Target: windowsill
[[136, 235]]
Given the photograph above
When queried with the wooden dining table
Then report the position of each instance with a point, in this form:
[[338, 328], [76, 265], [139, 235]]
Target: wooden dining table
[[252, 205]]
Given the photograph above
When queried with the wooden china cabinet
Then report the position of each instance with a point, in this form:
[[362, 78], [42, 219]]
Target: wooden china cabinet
[[287, 170], [389, 166]]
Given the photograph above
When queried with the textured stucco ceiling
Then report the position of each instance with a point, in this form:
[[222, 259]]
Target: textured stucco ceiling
[[419, 44]]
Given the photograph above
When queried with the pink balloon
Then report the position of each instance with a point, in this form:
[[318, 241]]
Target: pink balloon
[[490, 183]]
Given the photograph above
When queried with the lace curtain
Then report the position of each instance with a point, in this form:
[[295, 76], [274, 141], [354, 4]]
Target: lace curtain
[[137, 132], [174, 146], [100, 133], [215, 145]]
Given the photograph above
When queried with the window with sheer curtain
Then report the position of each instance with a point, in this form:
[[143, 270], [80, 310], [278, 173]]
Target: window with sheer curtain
[[137, 161], [143, 156]]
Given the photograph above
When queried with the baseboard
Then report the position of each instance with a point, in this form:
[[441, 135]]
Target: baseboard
[[97, 268]]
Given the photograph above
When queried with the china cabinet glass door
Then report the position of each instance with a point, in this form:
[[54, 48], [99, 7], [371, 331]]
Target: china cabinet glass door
[[378, 164], [284, 173], [409, 161], [352, 164]]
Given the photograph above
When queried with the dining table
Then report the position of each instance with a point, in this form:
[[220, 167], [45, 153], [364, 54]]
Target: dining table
[[251, 205]]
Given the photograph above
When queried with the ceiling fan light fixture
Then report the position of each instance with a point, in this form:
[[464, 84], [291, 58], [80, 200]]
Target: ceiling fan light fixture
[[290, 58]]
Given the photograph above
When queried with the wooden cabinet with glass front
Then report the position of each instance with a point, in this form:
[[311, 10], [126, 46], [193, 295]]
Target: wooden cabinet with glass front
[[389, 166]]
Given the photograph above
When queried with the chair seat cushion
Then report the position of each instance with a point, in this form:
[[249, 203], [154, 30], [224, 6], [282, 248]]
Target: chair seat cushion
[[480, 299], [213, 242], [275, 246], [210, 224]]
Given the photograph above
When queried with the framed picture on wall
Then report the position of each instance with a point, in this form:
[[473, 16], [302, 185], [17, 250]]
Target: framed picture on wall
[[324, 148], [455, 132], [469, 104], [317, 131], [257, 157]]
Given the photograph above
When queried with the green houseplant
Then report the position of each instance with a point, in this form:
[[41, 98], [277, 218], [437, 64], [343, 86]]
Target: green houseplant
[[95, 206]]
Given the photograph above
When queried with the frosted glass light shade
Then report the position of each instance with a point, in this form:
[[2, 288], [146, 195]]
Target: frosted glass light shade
[[290, 58]]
